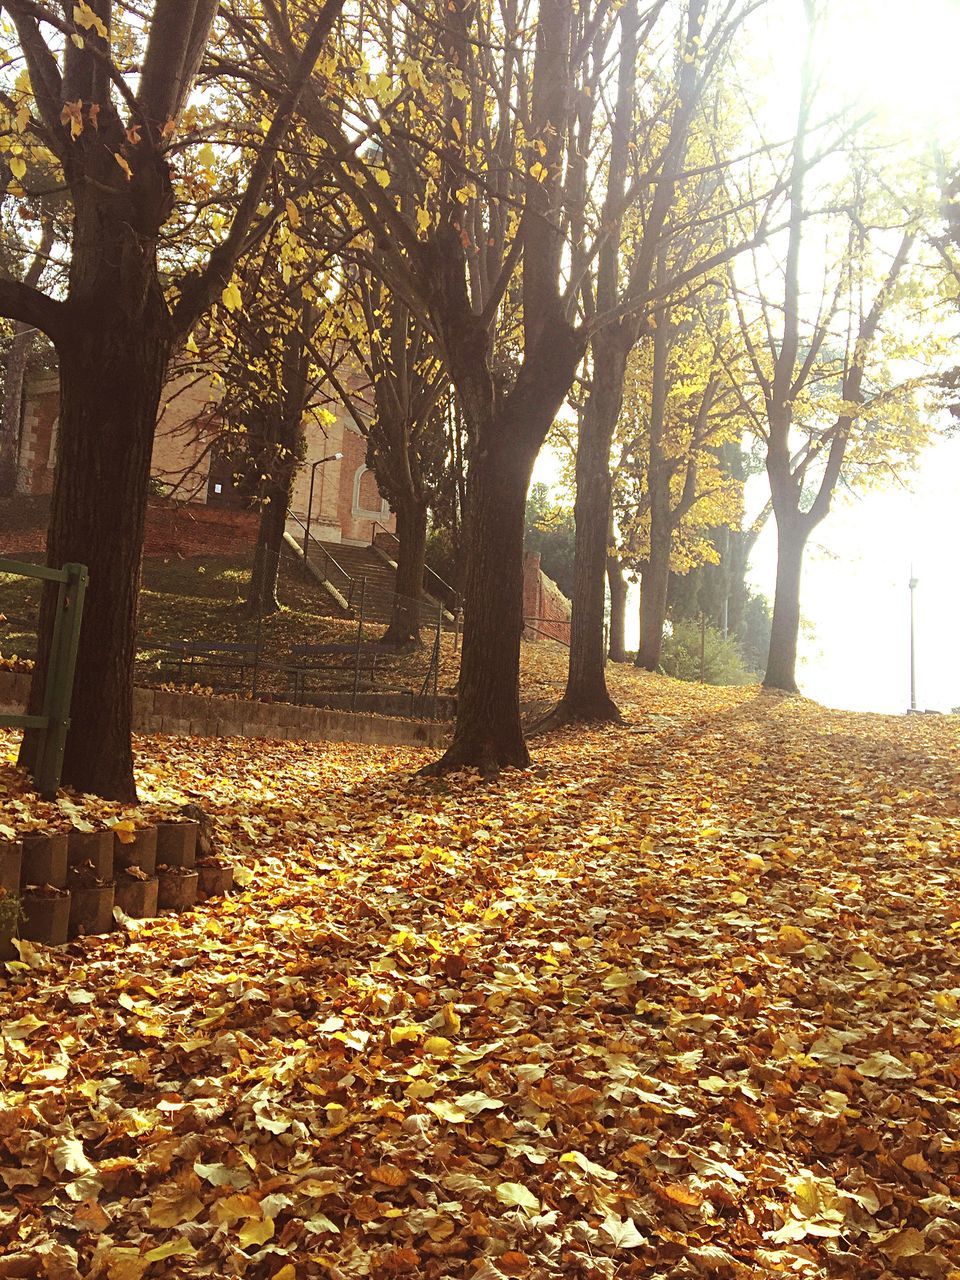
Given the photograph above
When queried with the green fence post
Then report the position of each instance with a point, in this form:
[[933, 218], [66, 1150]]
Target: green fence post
[[58, 691]]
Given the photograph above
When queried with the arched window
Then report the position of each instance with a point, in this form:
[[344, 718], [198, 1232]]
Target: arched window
[[366, 496]]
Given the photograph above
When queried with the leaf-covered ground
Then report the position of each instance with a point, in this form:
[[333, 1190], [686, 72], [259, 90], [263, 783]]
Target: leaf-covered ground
[[683, 1000]]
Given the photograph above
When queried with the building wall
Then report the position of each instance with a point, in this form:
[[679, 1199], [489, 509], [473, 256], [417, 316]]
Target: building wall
[[186, 428], [346, 502], [546, 610], [193, 529], [35, 464]]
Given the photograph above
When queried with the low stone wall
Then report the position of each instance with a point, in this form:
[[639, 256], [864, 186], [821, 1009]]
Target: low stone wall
[[159, 711]]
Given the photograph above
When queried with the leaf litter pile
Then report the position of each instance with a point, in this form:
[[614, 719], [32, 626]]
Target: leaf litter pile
[[682, 1000]]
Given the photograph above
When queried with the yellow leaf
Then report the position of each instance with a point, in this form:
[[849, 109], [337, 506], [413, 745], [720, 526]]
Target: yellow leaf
[[904, 1244], [448, 1112], [790, 940], [169, 1250], [390, 1175], [18, 167], [451, 1019], [412, 1031], [85, 17], [125, 831], [123, 164], [438, 1047], [255, 1231], [516, 1195], [72, 112], [231, 297], [231, 1208], [69, 1157], [677, 1193], [293, 213]]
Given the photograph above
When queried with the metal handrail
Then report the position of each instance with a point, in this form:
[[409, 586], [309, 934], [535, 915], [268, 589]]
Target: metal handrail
[[450, 592], [546, 634], [349, 582]]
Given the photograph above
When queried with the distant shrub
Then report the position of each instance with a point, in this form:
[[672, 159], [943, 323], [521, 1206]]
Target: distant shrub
[[722, 661]]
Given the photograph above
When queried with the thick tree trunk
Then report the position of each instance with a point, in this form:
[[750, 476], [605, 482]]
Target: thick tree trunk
[[618, 610], [654, 584], [111, 376], [404, 628], [488, 733], [782, 657]]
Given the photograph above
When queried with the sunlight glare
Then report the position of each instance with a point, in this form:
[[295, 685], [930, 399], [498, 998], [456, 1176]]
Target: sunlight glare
[[897, 61]]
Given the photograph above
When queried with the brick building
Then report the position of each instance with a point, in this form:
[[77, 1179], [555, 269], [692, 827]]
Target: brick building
[[339, 494]]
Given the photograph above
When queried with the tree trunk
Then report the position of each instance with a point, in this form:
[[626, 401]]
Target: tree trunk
[[653, 602], [111, 376], [586, 696], [280, 454], [14, 373], [488, 733], [782, 657], [618, 610], [262, 592], [655, 581], [404, 628], [15, 368]]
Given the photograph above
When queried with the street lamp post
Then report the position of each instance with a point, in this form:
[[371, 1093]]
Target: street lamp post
[[913, 648], [331, 457]]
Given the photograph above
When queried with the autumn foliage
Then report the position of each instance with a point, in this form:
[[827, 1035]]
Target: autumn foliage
[[680, 1001]]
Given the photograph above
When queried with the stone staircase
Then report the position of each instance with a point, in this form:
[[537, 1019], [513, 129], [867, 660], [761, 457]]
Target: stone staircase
[[380, 576]]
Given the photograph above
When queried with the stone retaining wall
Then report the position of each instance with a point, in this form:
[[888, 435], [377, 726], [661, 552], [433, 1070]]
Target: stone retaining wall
[[158, 711]]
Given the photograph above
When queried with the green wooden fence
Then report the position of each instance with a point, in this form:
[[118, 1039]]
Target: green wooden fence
[[54, 720]]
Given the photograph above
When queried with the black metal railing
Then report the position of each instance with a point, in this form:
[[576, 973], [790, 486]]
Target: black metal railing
[[345, 584], [530, 624], [441, 590]]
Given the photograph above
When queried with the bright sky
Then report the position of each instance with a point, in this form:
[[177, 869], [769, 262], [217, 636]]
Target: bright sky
[[898, 61], [855, 653]]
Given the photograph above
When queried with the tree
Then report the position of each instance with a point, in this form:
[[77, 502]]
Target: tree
[[641, 214], [550, 531], [834, 397], [487, 114], [21, 345], [33, 225], [672, 486], [404, 420], [270, 390], [117, 324]]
